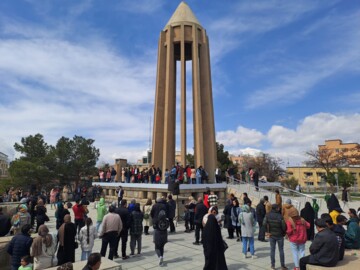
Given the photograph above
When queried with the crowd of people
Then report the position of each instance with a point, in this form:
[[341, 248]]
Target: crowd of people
[[124, 222], [154, 175]]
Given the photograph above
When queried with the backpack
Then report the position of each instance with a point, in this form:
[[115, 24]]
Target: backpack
[[162, 223]]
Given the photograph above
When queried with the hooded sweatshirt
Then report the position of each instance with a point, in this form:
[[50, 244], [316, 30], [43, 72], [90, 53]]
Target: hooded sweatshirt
[[101, 210]]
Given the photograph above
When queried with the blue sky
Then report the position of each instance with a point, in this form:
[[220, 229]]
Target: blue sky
[[286, 74]]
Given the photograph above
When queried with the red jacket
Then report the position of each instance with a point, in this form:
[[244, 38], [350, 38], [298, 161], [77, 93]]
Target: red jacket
[[297, 235], [206, 200], [79, 211]]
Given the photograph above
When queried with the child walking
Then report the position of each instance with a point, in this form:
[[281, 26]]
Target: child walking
[[87, 236]]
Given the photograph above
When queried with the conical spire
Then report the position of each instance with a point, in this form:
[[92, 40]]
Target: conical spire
[[183, 13]]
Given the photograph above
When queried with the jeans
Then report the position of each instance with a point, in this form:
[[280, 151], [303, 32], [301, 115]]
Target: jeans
[[280, 240], [133, 240], [109, 238], [198, 179], [98, 223], [245, 241], [298, 251], [85, 255]]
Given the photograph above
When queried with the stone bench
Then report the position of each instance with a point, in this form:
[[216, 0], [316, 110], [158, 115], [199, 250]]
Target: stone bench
[[351, 261], [105, 264]]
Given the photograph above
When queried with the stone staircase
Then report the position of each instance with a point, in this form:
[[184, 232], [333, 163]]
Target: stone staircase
[[298, 199]]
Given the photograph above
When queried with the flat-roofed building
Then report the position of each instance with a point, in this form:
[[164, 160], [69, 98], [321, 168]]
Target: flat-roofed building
[[310, 176]]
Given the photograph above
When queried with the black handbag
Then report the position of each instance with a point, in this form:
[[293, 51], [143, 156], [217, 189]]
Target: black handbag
[[76, 245]]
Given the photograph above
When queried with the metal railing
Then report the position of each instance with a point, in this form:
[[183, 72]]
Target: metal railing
[[298, 199]]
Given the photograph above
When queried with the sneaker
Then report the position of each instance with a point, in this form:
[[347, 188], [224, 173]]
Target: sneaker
[[272, 268], [238, 240], [161, 261], [196, 243], [284, 268], [125, 258], [116, 257], [244, 256], [253, 257]]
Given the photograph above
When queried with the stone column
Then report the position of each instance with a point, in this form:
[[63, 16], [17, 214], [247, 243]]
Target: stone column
[[198, 121], [207, 109], [159, 110], [170, 103], [183, 96]]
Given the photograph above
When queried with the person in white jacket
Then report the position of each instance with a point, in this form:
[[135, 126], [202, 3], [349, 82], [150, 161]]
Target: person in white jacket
[[43, 249], [87, 236]]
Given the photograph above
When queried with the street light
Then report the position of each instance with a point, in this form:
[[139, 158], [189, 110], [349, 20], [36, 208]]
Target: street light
[[337, 182]]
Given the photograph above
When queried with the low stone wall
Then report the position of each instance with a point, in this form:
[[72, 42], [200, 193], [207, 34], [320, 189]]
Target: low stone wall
[[351, 261]]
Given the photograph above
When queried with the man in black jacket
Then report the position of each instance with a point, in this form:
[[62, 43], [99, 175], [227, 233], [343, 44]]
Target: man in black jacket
[[275, 226], [160, 234], [123, 212], [260, 215], [200, 211], [171, 204], [20, 246], [323, 249]]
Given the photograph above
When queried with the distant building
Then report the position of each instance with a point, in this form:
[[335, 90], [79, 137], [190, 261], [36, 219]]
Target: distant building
[[312, 176], [337, 147], [4, 165]]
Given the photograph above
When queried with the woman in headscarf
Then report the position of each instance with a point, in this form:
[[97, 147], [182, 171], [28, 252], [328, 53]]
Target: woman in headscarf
[[147, 218], [53, 197], [214, 250], [308, 214], [60, 213], [41, 216], [334, 207], [43, 249], [19, 219], [227, 221], [66, 235], [248, 224], [235, 212]]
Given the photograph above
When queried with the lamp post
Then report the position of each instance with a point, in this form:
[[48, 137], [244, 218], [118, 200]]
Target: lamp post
[[337, 182]]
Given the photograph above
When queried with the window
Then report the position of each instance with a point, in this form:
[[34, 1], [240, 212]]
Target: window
[[308, 174], [309, 183]]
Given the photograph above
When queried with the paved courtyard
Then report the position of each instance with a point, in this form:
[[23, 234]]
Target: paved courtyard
[[180, 253]]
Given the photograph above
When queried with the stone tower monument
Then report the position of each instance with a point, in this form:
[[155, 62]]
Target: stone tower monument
[[184, 39]]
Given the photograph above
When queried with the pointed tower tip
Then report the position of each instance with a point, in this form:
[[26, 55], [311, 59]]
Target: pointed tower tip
[[183, 13]]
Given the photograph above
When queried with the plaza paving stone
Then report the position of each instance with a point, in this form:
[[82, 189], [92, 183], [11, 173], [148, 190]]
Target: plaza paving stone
[[180, 253]]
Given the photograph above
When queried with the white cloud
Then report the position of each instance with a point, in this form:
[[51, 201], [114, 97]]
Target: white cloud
[[241, 136], [315, 129], [55, 87], [291, 144]]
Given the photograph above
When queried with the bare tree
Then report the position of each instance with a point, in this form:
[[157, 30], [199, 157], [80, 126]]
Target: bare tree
[[266, 165]]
